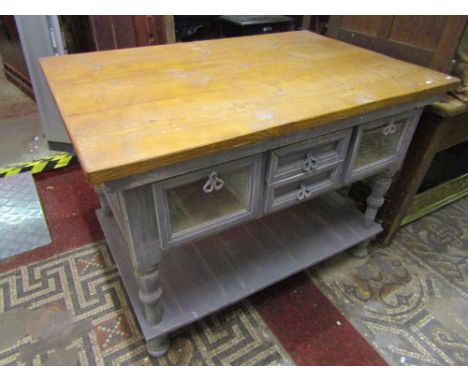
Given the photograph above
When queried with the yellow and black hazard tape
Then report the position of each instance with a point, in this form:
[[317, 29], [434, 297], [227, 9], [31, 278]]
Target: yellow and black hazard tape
[[50, 162]]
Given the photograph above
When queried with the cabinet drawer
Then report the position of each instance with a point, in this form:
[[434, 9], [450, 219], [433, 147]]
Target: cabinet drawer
[[380, 143], [303, 159], [284, 194], [204, 202]]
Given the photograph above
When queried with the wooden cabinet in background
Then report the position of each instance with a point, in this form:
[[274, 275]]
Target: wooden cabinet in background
[[92, 33], [14, 64], [429, 41], [434, 173], [84, 34]]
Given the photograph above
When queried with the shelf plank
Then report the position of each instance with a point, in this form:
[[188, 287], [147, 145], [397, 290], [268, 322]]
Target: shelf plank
[[203, 277]]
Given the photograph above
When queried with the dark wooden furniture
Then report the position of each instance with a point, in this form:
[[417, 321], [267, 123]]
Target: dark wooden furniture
[[85, 34], [14, 64], [247, 25], [196, 28], [93, 33], [437, 131], [317, 24], [429, 41]]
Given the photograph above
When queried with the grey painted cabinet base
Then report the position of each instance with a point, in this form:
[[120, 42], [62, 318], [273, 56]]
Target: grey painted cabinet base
[[193, 238], [204, 276]]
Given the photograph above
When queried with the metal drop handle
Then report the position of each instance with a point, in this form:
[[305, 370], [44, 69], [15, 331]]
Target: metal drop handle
[[310, 163], [304, 193], [389, 129], [213, 183]]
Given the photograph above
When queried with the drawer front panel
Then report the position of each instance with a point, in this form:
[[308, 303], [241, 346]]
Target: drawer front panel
[[197, 204], [380, 143], [303, 159], [285, 194]]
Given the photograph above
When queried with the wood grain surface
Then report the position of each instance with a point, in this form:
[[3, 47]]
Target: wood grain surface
[[132, 110]]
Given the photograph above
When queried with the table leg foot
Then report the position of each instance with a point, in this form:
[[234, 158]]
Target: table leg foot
[[361, 250], [158, 346]]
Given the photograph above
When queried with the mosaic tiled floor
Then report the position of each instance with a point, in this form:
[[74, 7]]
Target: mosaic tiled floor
[[410, 299], [72, 310], [69, 205]]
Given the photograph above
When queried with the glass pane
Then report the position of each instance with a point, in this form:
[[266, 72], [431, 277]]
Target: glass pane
[[190, 206], [376, 145]]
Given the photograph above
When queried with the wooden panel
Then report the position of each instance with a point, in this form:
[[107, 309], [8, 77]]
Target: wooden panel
[[422, 31], [395, 49], [124, 31], [113, 32], [117, 32], [133, 110], [169, 29], [11, 51], [103, 36], [369, 25], [151, 30], [14, 64], [202, 278], [424, 40], [315, 24], [448, 43]]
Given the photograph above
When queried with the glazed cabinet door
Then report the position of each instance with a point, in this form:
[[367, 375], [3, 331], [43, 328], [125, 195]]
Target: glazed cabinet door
[[204, 202], [379, 144]]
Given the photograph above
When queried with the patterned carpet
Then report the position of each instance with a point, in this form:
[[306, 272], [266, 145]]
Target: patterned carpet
[[308, 332], [410, 299], [72, 310]]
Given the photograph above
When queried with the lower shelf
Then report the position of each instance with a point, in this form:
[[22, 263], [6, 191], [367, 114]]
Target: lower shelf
[[207, 275]]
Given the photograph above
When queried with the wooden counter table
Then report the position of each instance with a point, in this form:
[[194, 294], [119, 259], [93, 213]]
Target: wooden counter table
[[253, 134]]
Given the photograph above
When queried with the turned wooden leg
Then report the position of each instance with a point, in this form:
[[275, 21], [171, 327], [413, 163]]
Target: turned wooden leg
[[150, 297], [150, 294], [145, 253], [106, 210], [380, 185], [361, 250]]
